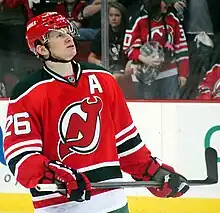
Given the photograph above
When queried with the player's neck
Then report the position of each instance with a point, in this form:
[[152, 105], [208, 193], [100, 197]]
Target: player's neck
[[63, 69]]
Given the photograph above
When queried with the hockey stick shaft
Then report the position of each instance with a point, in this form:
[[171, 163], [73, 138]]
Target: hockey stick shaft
[[104, 185], [111, 185], [212, 178]]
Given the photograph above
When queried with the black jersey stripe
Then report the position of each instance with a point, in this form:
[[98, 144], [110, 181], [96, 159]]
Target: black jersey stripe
[[129, 144], [13, 162], [96, 175]]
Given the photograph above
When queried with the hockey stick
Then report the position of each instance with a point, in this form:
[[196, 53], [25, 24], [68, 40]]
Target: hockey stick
[[211, 167]]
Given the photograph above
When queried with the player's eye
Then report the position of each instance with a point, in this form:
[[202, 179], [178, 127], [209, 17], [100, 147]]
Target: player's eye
[[59, 35]]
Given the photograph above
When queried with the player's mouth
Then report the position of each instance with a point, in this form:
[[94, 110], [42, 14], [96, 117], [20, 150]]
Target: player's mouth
[[71, 46]]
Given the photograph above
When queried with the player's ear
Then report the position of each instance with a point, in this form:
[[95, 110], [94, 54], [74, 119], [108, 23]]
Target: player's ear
[[42, 51]]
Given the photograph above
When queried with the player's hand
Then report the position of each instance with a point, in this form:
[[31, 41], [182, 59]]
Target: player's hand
[[174, 184], [78, 187]]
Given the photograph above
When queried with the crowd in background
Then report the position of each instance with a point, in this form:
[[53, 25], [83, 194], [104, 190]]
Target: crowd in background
[[158, 49]]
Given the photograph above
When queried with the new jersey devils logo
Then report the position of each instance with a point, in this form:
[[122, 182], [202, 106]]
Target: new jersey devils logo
[[158, 34], [79, 127]]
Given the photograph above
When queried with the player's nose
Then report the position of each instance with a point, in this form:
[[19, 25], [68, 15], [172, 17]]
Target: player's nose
[[68, 38]]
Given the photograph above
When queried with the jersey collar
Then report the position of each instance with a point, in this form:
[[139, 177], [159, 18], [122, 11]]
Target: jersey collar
[[73, 80]]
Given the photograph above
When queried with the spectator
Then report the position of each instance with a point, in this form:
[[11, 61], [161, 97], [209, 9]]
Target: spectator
[[209, 88], [132, 6], [117, 25], [71, 9], [202, 27], [12, 28], [92, 16], [155, 24], [179, 9], [31, 7]]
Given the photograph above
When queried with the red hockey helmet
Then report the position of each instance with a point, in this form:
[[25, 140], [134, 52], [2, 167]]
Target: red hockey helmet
[[39, 26]]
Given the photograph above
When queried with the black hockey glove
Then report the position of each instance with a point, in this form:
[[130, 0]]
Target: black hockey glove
[[174, 184]]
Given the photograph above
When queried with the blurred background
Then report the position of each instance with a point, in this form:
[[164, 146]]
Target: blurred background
[[156, 49]]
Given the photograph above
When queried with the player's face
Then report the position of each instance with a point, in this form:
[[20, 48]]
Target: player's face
[[61, 44], [164, 7], [114, 17]]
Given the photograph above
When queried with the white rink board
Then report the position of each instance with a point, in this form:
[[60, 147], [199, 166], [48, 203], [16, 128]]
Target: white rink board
[[175, 132]]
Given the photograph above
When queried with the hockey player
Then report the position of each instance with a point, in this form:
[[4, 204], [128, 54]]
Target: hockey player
[[69, 123], [209, 88]]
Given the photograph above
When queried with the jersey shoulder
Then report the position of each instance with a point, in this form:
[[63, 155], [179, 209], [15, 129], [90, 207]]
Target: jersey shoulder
[[172, 18], [23, 85], [93, 68], [102, 74], [89, 66], [138, 16], [214, 69]]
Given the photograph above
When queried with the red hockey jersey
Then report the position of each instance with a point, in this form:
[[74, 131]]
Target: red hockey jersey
[[61, 8], [82, 121], [209, 88], [138, 34], [75, 14]]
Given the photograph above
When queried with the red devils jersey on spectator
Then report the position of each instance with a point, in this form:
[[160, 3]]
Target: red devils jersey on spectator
[[15, 3], [61, 8], [76, 12], [82, 121], [138, 34], [209, 88]]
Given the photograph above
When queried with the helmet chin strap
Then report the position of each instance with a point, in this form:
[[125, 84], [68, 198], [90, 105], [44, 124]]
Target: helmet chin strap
[[51, 58]]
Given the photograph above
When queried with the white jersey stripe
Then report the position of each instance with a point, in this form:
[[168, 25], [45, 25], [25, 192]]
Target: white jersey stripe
[[97, 71], [127, 138], [29, 90], [182, 58], [20, 151], [124, 131], [181, 50], [139, 146], [99, 165], [23, 143]]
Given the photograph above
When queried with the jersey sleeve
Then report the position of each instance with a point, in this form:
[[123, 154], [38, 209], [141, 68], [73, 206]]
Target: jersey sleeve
[[132, 39], [132, 152], [23, 143], [181, 50]]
